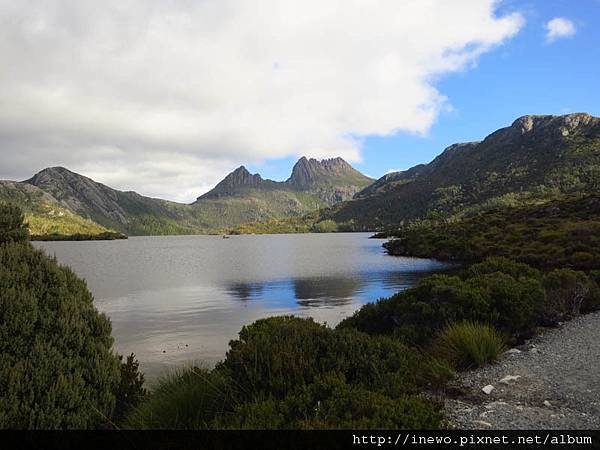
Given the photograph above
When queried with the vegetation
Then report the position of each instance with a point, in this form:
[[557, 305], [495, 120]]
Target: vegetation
[[538, 158], [57, 369], [12, 224], [467, 345], [508, 295], [287, 372], [103, 236], [563, 233]]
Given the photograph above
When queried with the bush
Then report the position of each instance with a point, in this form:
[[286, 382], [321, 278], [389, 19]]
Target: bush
[[486, 295], [503, 265], [276, 355], [330, 402], [56, 365], [517, 303], [12, 224], [287, 372], [186, 400], [416, 314], [436, 373], [466, 345], [130, 391], [568, 293]]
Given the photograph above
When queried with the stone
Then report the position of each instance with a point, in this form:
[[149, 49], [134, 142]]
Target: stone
[[513, 351], [482, 423], [488, 389], [508, 379], [547, 404]]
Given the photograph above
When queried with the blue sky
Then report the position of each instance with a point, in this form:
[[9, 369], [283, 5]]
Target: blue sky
[[526, 75]]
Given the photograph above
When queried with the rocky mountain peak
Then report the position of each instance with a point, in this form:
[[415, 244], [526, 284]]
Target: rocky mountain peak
[[239, 178], [307, 172]]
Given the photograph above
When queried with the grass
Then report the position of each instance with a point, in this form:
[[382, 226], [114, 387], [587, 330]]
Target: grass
[[468, 345]]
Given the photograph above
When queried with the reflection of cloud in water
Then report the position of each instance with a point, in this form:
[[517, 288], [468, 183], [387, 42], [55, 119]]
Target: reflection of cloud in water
[[323, 291], [245, 291], [326, 291]]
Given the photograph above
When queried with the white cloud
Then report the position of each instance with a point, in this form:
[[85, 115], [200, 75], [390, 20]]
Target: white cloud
[[559, 28], [165, 97]]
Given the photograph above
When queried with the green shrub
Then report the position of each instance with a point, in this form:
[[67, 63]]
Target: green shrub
[[56, 365], [498, 291], [568, 293], [330, 402], [325, 226], [12, 224], [436, 373], [466, 345], [187, 400], [516, 303], [503, 265], [276, 355], [416, 314], [287, 372], [130, 391]]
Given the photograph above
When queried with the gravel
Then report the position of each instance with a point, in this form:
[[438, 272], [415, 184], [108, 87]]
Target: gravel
[[551, 382]]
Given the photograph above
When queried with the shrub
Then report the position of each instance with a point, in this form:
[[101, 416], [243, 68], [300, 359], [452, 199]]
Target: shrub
[[502, 265], [12, 224], [436, 373], [466, 345], [416, 314], [517, 303], [276, 355], [331, 402], [130, 391], [56, 365], [568, 293], [186, 400], [486, 295], [287, 372]]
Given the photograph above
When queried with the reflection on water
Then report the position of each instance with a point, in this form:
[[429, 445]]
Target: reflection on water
[[181, 298]]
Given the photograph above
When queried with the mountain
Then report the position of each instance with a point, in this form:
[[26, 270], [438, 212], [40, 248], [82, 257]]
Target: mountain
[[331, 180], [242, 197], [537, 157], [44, 214], [127, 212], [239, 198]]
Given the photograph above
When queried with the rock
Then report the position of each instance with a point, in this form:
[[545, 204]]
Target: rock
[[482, 423], [513, 351], [493, 405], [508, 379], [547, 404], [488, 389]]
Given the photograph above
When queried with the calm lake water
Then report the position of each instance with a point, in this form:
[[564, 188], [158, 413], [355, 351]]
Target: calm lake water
[[177, 299]]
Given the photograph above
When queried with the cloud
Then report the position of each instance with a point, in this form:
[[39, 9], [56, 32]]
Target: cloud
[[559, 28], [165, 97]]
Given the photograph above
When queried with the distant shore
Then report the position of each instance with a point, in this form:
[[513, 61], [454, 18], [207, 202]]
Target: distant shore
[[106, 236]]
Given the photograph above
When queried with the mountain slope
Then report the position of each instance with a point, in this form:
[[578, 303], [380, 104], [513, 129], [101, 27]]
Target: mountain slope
[[536, 157], [240, 198], [44, 214], [127, 212]]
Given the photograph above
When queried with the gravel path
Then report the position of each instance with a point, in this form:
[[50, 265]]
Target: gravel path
[[553, 383]]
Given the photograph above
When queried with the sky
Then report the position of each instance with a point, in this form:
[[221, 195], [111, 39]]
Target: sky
[[167, 97]]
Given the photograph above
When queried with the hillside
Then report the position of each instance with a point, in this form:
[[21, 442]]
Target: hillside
[[242, 197], [88, 207], [44, 214], [560, 233], [537, 157]]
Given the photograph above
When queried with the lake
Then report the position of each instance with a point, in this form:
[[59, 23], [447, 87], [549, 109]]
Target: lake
[[174, 300]]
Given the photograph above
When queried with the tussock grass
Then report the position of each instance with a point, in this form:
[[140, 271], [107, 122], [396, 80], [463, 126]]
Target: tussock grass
[[467, 345]]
